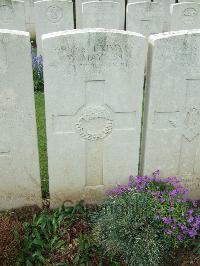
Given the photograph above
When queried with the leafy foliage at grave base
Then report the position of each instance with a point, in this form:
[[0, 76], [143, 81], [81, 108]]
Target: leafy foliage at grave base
[[60, 237], [148, 221], [124, 228]]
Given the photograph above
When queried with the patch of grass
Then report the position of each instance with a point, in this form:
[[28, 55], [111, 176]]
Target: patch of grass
[[42, 142]]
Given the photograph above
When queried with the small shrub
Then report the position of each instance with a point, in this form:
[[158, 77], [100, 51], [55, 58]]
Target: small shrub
[[147, 210], [37, 65], [124, 230]]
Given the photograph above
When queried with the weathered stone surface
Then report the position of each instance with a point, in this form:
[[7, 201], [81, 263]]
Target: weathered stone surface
[[195, 1], [172, 117], [12, 15], [144, 17], [52, 16], [185, 16], [102, 14], [30, 17], [19, 166], [93, 95], [165, 9], [138, 1]]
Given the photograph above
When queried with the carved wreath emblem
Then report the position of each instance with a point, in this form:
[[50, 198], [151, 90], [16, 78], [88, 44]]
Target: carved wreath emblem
[[54, 13], [190, 12], [95, 123]]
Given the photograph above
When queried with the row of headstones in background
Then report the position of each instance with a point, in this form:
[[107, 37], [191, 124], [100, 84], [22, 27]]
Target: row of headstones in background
[[19, 165], [143, 17], [94, 111]]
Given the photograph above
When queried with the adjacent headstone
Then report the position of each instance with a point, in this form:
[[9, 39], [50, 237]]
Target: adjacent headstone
[[19, 166], [172, 117], [138, 1], [52, 16], [183, 1], [165, 9], [144, 17], [30, 17], [185, 16], [12, 15], [93, 96], [102, 14]]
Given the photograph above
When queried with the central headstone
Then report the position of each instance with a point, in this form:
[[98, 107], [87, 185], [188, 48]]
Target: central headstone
[[93, 94]]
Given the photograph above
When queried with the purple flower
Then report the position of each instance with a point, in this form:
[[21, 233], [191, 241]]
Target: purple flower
[[167, 231], [173, 193], [192, 233], [156, 174], [190, 211], [180, 238], [167, 220], [162, 200], [194, 203], [191, 219], [166, 180]]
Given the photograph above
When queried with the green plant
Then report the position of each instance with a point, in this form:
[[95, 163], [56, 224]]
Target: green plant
[[197, 246], [45, 237], [176, 217], [124, 229]]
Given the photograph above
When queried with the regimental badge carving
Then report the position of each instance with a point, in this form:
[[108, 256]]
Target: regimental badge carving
[[95, 123], [6, 13], [54, 13], [190, 12]]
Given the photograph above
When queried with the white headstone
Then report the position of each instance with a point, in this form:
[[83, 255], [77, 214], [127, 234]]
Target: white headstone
[[138, 1], [93, 95], [172, 116], [165, 9], [145, 18], [183, 1], [12, 15], [19, 166], [30, 17], [185, 16], [102, 14], [52, 16]]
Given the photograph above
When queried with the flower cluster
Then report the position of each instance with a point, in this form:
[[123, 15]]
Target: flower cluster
[[37, 65], [172, 212]]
